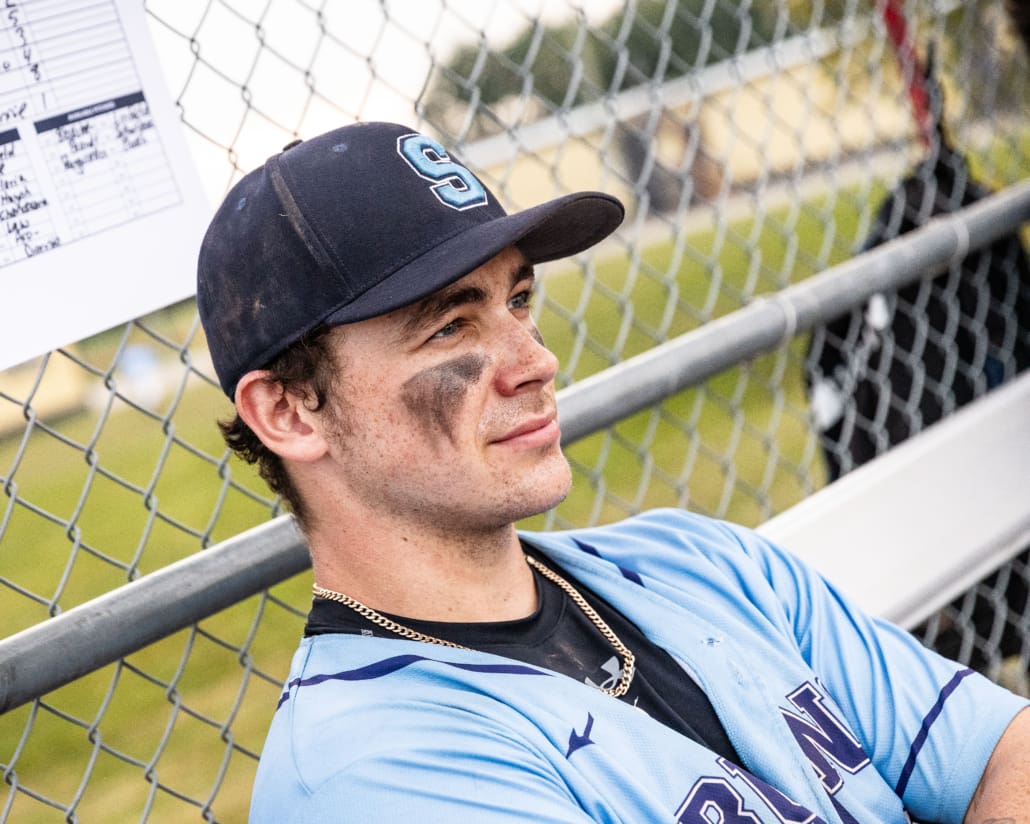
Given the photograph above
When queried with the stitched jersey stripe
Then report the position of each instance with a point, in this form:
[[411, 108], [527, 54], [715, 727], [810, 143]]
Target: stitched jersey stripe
[[388, 666], [628, 574], [924, 730]]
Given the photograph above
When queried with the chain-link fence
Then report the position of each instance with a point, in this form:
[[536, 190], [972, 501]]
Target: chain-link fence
[[755, 144]]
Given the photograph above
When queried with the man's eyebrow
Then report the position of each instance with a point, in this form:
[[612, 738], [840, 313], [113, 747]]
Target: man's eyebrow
[[439, 304], [524, 272]]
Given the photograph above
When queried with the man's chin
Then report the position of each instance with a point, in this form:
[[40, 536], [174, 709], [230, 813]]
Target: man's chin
[[545, 503]]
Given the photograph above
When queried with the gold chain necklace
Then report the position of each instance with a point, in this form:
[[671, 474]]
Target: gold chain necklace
[[628, 658]]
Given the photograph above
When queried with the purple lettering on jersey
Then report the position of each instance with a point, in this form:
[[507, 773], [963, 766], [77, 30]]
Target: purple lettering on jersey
[[714, 799], [825, 741], [823, 738], [787, 810]]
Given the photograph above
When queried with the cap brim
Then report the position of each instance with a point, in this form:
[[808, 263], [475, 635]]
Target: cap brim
[[561, 227]]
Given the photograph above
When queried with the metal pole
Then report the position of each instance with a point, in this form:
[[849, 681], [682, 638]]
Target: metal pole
[[83, 639]]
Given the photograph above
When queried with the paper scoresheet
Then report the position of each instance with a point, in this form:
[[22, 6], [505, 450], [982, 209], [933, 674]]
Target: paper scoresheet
[[101, 208]]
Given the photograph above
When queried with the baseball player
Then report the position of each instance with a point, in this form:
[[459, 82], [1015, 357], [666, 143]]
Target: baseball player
[[367, 306]]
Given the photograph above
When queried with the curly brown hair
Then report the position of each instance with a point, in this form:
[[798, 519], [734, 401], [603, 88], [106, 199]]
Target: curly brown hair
[[308, 369]]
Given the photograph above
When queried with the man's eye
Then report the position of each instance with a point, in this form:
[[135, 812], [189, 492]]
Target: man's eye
[[447, 330], [522, 300]]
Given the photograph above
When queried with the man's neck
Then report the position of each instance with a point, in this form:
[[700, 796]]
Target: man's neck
[[461, 577]]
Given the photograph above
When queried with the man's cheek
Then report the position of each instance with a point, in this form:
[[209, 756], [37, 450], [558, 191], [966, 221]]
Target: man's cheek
[[435, 396]]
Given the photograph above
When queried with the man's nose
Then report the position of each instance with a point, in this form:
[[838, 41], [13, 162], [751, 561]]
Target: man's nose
[[526, 361]]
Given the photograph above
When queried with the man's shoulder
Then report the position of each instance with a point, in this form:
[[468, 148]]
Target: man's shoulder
[[653, 532], [673, 546]]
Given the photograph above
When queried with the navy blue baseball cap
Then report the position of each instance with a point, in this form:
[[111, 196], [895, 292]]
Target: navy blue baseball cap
[[355, 223]]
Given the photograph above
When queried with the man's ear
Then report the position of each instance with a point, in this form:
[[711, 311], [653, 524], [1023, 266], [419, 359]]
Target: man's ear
[[279, 418]]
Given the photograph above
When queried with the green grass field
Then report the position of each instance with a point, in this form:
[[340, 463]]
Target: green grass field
[[177, 709]]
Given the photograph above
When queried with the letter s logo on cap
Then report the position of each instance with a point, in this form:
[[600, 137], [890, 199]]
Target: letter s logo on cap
[[455, 186]]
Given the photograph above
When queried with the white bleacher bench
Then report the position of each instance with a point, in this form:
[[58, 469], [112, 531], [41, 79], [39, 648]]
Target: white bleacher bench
[[908, 532]]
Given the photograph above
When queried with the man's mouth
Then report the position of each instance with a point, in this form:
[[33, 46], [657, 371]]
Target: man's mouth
[[535, 431]]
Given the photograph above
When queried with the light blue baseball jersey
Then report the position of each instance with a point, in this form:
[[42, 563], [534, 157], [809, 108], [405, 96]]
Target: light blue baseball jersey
[[837, 717]]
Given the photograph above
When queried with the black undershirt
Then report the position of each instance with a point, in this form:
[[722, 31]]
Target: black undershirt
[[561, 638]]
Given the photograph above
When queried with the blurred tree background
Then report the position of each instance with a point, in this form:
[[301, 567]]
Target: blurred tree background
[[485, 89]]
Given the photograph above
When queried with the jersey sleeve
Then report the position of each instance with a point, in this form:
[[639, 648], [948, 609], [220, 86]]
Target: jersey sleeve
[[928, 724]]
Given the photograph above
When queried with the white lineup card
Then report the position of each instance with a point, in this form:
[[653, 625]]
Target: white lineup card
[[101, 209]]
